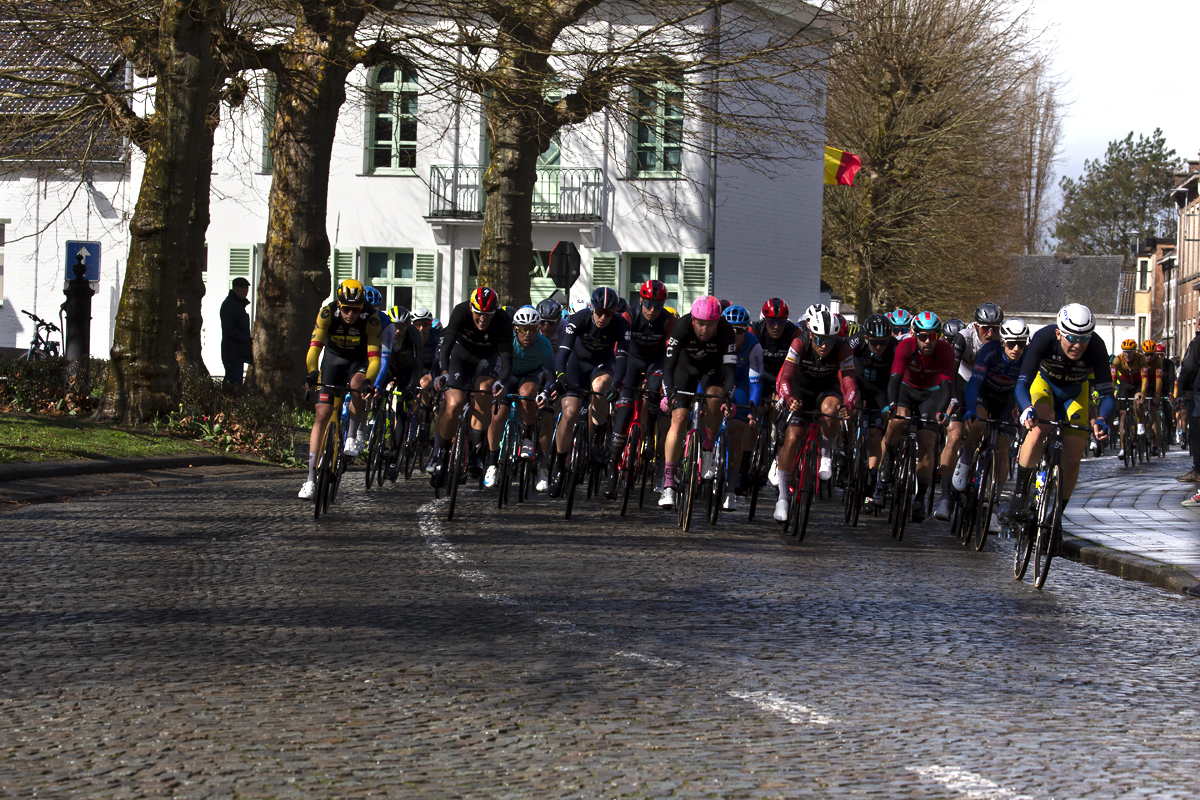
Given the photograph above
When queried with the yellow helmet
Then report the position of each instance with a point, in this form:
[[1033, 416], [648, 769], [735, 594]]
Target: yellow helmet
[[1149, 347], [671, 311], [1129, 344], [351, 293]]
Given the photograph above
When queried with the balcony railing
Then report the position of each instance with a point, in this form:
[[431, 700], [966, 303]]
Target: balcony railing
[[561, 193]]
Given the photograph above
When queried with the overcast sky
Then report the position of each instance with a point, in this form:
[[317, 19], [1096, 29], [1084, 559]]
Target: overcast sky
[[1127, 67]]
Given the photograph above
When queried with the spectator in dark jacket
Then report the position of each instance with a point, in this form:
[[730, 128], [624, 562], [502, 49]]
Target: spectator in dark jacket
[[1188, 386], [236, 349]]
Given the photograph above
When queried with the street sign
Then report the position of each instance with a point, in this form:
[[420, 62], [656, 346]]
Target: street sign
[[564, 264], [91, 257]]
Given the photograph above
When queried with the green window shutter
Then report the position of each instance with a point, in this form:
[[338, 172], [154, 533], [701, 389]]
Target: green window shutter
[[605, 267], [694, 280], [427, 267], [341, 268], [241, 257]]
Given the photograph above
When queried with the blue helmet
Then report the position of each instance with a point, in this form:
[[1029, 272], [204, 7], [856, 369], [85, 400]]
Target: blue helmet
[[900, 318], [736, 315], [927, 322], [374, 296], [604, 299]]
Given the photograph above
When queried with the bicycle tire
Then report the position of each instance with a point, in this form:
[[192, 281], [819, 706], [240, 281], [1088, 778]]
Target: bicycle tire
[[851, 494], [720, 464], [1048, 505], [808, 487], [629, 465], [323, 472], [1023, 548], [502, 462], [457, 463], [985, 498], [374, 445], [1126, 445], [904, 499], [647, 459], [691, 482], [758, 467], [577, 456]]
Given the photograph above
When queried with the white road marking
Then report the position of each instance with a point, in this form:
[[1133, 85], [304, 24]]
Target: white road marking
[[651, 660], [967, 783], [794, 713]]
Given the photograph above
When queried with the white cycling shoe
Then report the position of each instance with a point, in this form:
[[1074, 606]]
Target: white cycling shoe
[[526, 449], [489, 477], [543, 481], [825, 470], [961, 470], [307, 490], [667, 498], [353, 448], [773, 474], [708, 463], [942, 509], [730, 502], [1141, 429], [781, 507]]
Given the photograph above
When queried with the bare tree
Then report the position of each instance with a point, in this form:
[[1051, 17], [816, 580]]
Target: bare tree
[[1040, 149], [928, 93]]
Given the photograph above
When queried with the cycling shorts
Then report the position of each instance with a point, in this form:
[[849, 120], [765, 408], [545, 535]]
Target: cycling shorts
[[1126, 391], [741, 396], [998, 405], [466, 371], [874, 401], [635, 369], [923, 401], [515, 382], [1070, 402], [690, 379], [812, 396], [580, 374], [338, 370], [960, 394]]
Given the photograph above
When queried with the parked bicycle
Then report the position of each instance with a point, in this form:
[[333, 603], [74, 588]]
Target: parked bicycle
[[41, 346]]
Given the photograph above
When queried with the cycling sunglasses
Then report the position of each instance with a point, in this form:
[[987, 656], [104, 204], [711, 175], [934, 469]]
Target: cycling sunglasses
[[741, 328], [527, 328], [482, 313], [604, 312], [877, 342], [928, 336], [989, 328], [1011, 345], [1077, 338], [653, 304], [824, 341]]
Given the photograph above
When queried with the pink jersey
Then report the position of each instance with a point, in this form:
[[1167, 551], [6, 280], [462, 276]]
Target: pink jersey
[[919, 372]]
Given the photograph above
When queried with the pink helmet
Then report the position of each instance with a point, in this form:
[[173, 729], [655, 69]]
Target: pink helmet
[[706, 308]]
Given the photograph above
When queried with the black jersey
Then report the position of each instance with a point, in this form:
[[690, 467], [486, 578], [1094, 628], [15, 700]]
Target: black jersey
[[591, 343], [774, 350], [461, 330], [1046, 357], [429, 353], [873, 369], [717, 354], [648, 340]]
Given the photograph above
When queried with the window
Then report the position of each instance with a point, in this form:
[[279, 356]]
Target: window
[[656, 268], [391, 272], [658, 130], [269, 91], [1142, 323], [541, 285], [392, 123], [1143, 275]]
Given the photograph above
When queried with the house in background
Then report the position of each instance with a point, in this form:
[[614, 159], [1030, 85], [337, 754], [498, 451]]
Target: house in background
[[406, 208], [1181, 269], [1041, 285]]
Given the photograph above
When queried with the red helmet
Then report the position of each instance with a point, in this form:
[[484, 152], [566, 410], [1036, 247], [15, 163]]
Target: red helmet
[[1162, 348], [484, 300], [775, 308], [654, 291]]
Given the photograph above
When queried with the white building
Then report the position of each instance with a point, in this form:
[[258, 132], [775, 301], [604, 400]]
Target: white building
[[405, 210]]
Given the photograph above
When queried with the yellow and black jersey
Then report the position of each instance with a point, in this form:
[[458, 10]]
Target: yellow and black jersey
[[352, 341]]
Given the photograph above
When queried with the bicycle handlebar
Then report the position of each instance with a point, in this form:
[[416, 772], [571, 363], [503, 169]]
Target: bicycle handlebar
[[40, 322]]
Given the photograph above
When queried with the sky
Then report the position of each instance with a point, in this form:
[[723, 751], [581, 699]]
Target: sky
[[1127, 67]]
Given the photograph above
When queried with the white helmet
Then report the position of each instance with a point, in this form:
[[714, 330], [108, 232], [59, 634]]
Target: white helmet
[[1014, 329], [578, 305], [822, 323], [1076, 318], [815, 307], [527, 315], [420, 313]]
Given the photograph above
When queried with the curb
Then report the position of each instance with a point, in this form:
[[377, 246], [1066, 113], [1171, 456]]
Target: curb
[[59, 469], [1129, 566]]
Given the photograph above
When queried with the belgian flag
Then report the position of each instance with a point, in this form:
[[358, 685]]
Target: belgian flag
[[840, 167]]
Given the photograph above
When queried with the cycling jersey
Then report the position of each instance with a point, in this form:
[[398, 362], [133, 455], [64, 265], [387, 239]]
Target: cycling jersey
[[1168, 381], [477, 346], [1154, 375], [805, 373], [967, 345], [532, 360], [1130, 371], [402, 364], [648, 340], [749, 371], [774, 350], [1046, 360], [430, 351], [583, 340], [995, 373], [918, 371], [688, 359], [351, 342], [873, 369]]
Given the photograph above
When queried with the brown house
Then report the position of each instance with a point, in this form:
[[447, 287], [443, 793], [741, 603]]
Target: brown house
[[1181, 267]]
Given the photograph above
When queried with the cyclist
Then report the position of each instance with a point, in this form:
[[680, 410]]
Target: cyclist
[[477, 354], [591, 356], [403, 366], [951, 328], [1059, 365], [1154, 381], [1168, 393], [552, 321], [990, 395], [874, 351], [775, 333], [701, 352], [969, 340], [532, 363], [922, 380], [901, 324], [349, 332], [421, 319], [747, 394], [818, 375], [1129, 376], [648, 335]]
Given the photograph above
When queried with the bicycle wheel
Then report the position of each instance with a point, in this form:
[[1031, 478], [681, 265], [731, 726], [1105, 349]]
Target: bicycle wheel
[[904, 496], [850, 493], [375, 426], [1023, 549], [324, 471], [809, 487], [629, 465], [758, 466], [1127, 445], [1047, 519], [720, 464], [691, 479], [985, 491], [647, 460], [457, 464], [577, 463], [503, 465]]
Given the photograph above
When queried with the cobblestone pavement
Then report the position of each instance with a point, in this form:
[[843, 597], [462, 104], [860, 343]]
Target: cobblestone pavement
[[213, 640]]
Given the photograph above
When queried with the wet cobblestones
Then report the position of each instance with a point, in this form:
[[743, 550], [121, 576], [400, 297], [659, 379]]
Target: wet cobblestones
[[213, 641]]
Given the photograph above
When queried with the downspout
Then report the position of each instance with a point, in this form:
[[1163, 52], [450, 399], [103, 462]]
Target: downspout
[[37, 235], [453, 238], [712, 153]]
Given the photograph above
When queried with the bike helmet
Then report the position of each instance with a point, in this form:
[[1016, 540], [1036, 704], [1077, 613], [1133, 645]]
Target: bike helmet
[[926, 322], [420, 314], [484, 300], [374, 296], [900, 318], [706, 308], [1149, 347], [1160, 348], [527, 315], [604, 299], [399, 315], [510, 310], [878, 326], [843, 327], [550, 310], [725, 304], [822, 322], [951, 327], [852, 328], [655, 291], [736, 315], [1129, 345], [578, 305], [351, 293], [1077, 318], [814, 308], [622, 305], [775, 308], [1014, 329], [989, 314]]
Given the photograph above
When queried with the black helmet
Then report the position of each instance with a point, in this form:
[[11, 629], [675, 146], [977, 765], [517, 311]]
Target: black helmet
[[989, 314], [878, 326], [951, 327], [550, 310]]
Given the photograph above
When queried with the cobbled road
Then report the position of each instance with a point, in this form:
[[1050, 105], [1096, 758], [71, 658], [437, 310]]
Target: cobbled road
[[213, 640]]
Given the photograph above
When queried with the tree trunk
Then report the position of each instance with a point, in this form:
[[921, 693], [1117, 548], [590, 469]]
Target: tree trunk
[[295, 280], [143, 375], [191, 274], [506, 250]]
